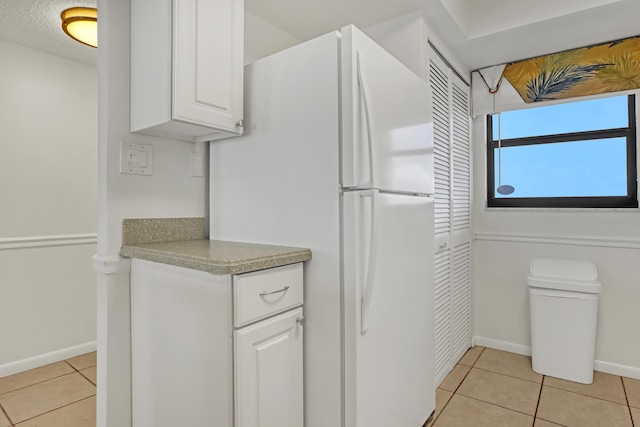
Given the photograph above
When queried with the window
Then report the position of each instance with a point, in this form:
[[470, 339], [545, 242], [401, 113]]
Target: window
[[573, 155]]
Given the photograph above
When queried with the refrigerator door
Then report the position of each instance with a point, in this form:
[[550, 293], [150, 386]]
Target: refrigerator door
[[278, 184], [387, 128], [388, 309]]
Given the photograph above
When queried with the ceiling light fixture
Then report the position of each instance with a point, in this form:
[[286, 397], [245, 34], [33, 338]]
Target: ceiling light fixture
[[81, 24]]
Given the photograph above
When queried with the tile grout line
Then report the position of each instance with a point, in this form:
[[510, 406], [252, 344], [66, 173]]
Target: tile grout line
[[540, 395], [72, 367], [36, 383], [74, 371], [555, 423], [559, 388], [6, 415], [88, 379], [491, 403], [592, 397], [479, 356], [463, 378], [56, 409], [80, 371], [507, 375], [446, 404], [628, 404], [499, 406], [456, 390], [535, 414], [48, 379], [605, 398], [458, 387]]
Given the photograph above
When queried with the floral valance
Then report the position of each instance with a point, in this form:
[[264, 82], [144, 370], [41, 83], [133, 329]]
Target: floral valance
[[602, 68]]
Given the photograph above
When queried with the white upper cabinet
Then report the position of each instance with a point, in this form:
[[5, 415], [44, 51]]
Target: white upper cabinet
[[187, 68]]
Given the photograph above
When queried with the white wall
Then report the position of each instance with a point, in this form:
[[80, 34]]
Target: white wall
[[263, 39], [507, 240], [48, 188], [170, 192], [407, 37], [491, 16]]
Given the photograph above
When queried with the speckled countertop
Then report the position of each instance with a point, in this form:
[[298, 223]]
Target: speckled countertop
[[181, 242], [216, 256]]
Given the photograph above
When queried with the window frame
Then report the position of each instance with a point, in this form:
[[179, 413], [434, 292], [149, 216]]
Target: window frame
[[629, 201]]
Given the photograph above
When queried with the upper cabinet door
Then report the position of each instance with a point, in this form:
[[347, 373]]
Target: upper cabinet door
[[187, 68], [207, 62], [387, 141]]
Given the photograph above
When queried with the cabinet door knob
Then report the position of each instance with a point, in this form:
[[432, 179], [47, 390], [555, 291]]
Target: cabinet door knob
[[300, 320], [239, 123]]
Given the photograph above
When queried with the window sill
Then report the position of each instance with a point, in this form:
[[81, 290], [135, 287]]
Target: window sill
[[581, 210]]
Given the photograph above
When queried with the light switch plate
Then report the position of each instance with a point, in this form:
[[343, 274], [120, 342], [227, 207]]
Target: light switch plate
[[136, 159], [197, 164]]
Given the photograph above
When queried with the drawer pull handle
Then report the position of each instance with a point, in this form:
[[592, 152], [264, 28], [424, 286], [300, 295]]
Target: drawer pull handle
[[300, 320], [274, 292]]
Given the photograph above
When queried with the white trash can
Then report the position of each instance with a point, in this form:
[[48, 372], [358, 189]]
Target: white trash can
[[563, 300]]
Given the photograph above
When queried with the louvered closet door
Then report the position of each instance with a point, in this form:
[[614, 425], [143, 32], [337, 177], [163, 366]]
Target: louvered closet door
[[442, 315], [439, 80], [452, 216], [461, 221]]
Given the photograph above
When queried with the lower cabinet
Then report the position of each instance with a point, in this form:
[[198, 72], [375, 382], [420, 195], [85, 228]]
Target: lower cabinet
[[216, 351], [268, 372]]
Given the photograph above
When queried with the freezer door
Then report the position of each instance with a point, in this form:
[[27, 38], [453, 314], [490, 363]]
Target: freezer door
[[387, 128], [388, 309]]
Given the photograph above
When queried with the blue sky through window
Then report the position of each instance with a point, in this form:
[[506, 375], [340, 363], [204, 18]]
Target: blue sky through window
[[564, 169]]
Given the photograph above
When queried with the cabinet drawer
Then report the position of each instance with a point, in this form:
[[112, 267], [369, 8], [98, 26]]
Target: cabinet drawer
[[266, 292]]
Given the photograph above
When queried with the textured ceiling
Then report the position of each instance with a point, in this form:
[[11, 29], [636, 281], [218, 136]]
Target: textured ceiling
[[37, 24], [305, 19], [481, 32], [478, 18], [595, 21]]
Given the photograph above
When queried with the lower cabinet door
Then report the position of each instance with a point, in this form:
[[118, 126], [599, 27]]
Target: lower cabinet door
[[269, 372]]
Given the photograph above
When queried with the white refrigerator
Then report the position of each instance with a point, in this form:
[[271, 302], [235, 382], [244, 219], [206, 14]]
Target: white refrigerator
[[337, 156]]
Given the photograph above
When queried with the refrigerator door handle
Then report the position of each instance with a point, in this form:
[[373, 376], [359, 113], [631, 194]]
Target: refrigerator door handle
[[371, 261], [368, 118]]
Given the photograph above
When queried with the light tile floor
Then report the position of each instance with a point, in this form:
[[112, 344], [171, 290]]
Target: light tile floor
[[492, 388], [62, 394], [487, 388]]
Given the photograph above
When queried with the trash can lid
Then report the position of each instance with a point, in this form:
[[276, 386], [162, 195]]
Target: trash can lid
[[564, 274]]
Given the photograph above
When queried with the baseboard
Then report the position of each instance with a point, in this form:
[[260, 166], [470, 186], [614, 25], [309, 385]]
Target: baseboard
[[502, 345], [46, 359], [599, 365], [615, 369]]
